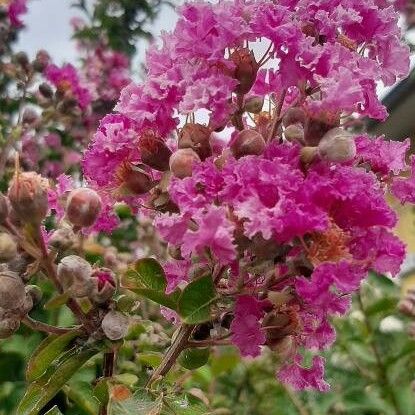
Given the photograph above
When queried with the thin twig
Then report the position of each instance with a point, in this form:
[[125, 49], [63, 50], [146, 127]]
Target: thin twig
[[276, 118]]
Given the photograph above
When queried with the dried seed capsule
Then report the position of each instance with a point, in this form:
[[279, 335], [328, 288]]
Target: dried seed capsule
[[115, 325], [28, 195], [83, 207], [181, 162], [133, 180], [246, 69], [247, 142], [154, 152]]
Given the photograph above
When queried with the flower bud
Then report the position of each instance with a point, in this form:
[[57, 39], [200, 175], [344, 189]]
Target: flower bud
[[181, 162], [35, 293], [30, 116], [154, 152], [8, 247], [246, 69], [308, 154], [247, 142], [337, 145], [8, 327], [254, 104], [279, 325], [115, 325], [74, 273], [83, 207], [196, 137], [41, 61], [295, 115], [12, 290], [294, 132], [28, 195], [22, 59], [133, 180], [103, 285], [45, 90], [4, 208], [62, 239]]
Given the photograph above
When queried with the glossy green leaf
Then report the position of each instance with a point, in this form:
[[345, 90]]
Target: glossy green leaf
[[41, 391], [194, 358], [196, 299], [46, 353], [147, 278]]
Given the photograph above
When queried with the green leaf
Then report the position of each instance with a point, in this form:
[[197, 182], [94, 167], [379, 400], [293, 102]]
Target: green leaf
[[147, 278], [80, 393], [48, 351], [56, 301], [224, 363], [54, 411], [196, 299], [152, 359], [194, 358], [101, 391], [41, 391]]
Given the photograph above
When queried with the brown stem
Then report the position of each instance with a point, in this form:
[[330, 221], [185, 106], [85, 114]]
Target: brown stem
[[108, 371], [46, 328], [276, 118], [178, 345], [237, 117]]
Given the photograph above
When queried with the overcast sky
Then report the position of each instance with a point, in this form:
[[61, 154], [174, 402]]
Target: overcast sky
[[48, 27]]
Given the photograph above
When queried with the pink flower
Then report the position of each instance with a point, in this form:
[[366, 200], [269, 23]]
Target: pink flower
[[300, 378], [404, 189], [177, 271], [215, 232], [66, 79], [15, 10], [246, 330]]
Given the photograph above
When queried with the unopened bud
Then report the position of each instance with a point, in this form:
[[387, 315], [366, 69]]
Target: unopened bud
[[30, 116], [181, 162], [337, 145], [295, 115], [134, 180], [247, 142], [103, 285], [45, 90], [294, 132], [62, 239], [28, 195], [22, 59], [12, 290], [115, 325], [83, 207], [254, 104], [35, 293], [8, 327], [67, 105], [4, 208], [154, 152], [74, 273], [246, 69], [278, 325], [196, 137], [8, 247], [308, 154], [406, 307], [41, 61]]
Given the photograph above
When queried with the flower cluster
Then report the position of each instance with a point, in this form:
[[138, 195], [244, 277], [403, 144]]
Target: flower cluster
[[266, 188]]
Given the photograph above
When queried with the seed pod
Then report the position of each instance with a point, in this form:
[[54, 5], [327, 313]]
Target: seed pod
[[196, 137], [83, 207], [247, 142], [337, 145], [181, 162], [154, 152], [115, 325], [254, 104], [103, 285], [8, 327], [246, 69], [74, 273], [8, 247], [12, 290], [28, 195]]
